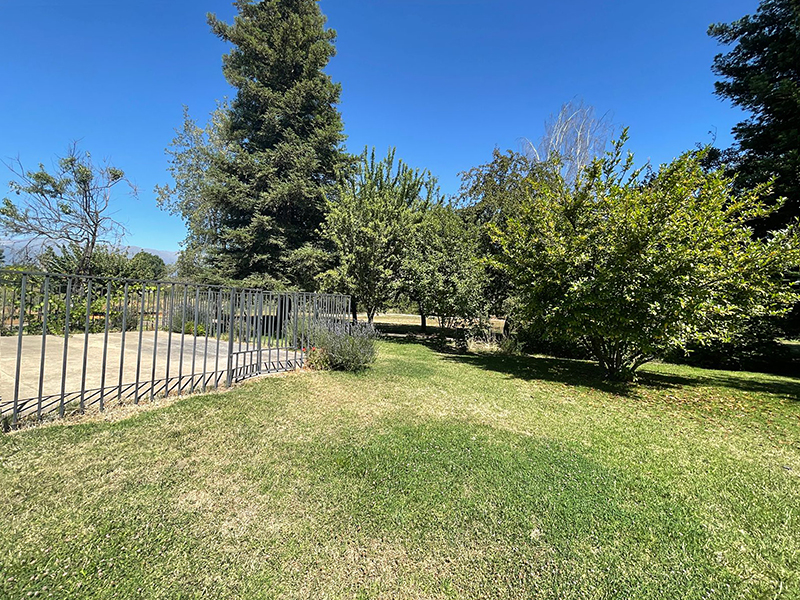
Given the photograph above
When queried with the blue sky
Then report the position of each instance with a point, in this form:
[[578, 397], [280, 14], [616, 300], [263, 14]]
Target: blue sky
[[445, 81]]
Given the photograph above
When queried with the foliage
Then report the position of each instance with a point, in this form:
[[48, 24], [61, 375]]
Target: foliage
[[144, 265], [631, 265], [307, 264], [185, 315], [106, 261], [343, 346], [191, 156], [753, 347], [491, 193], [69, 205], [440, 269], [369, 222], [252, 187], [761, 74], [80, 301]]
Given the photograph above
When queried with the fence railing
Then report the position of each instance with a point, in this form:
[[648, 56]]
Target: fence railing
[[70, 342]]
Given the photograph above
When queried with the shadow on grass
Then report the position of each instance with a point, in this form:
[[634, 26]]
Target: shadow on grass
[[393, 330], [778, 385], [587, 374]]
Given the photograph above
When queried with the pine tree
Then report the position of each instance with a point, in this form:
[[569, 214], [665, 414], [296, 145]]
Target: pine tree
[[761, 74], [278, 146]]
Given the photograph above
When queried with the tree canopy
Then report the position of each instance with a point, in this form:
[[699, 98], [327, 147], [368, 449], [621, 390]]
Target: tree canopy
[[369, 221], [761, 74], [441, 270], [70, 204], [632, 262], [272, 154]]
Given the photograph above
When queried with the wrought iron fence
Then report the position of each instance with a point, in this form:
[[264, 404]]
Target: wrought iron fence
[[70, 342]]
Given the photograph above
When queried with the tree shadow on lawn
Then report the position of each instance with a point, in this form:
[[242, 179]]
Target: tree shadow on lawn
[[587, 374]]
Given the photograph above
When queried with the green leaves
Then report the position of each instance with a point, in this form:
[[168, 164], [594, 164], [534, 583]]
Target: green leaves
[[760, 74], [440, 269], [69, 205], [633, 262], [370, 221], [251, 185]]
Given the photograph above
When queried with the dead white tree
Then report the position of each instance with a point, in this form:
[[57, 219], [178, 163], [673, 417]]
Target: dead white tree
[[573, 137], [69, 205]]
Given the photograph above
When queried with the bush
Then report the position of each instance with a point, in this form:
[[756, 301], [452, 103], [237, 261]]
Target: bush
[[343, 347], [754, 348], [183, 318]]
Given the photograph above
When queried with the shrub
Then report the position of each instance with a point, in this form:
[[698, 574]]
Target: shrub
[[343, 346], [183, 318], [632, 263], [755, 347]]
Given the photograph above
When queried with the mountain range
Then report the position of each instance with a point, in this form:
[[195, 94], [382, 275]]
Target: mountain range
[[15, 248]]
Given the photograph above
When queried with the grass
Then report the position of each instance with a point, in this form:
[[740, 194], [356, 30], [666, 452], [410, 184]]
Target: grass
[[430, 476], [407, 323]]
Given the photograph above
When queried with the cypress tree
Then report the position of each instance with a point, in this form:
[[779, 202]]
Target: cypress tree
[[282, 135]]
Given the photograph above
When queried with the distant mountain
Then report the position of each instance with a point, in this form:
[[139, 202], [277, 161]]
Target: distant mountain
[[15, 249], [168, 256]]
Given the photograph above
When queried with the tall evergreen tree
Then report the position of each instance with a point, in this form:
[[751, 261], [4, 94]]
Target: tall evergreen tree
[[276, 148], [761, 74]]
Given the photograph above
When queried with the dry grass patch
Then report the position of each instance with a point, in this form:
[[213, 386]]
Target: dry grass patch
[[429, 476]]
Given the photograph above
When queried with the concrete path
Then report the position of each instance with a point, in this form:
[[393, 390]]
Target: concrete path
[[170, 356]]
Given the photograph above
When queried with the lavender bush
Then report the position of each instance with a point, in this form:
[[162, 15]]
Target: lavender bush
[[343, 346]]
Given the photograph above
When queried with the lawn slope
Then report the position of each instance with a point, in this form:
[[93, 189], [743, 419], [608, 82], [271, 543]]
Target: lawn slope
[[430, 476]]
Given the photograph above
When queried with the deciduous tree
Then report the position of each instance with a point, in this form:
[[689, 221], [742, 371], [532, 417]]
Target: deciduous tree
[[632, 263], [369, 222], [441, 269], [70, 205]]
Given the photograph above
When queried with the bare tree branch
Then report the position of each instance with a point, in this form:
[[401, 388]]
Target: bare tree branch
[[68, 205], [573, 137]]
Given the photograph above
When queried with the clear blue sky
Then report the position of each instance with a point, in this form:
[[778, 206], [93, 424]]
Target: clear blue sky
[[443, 80]]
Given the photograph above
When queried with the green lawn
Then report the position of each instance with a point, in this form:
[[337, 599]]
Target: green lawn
[[430, 476]]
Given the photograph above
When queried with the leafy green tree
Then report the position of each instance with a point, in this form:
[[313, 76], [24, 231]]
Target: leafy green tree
[[761, 74], [441, 271], [490, 194], [369, 222], [194, 152], [106, 261], [274, 152], [493, 192], [144, 265], [70, 205], [631, 264]]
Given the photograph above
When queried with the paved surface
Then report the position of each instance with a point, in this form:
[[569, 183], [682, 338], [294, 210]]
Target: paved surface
[[196, 356]]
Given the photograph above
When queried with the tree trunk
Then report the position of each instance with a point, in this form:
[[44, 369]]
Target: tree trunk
[[354, 309], [423, 320]]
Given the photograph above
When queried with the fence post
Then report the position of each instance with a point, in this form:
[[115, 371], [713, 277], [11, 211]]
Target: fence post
[[45, 309], [295, 316], [67, 309], [21, 324], [105, 347], [230, 341]]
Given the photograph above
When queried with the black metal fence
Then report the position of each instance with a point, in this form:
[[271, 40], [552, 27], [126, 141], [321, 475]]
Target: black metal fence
[[70, 342]]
